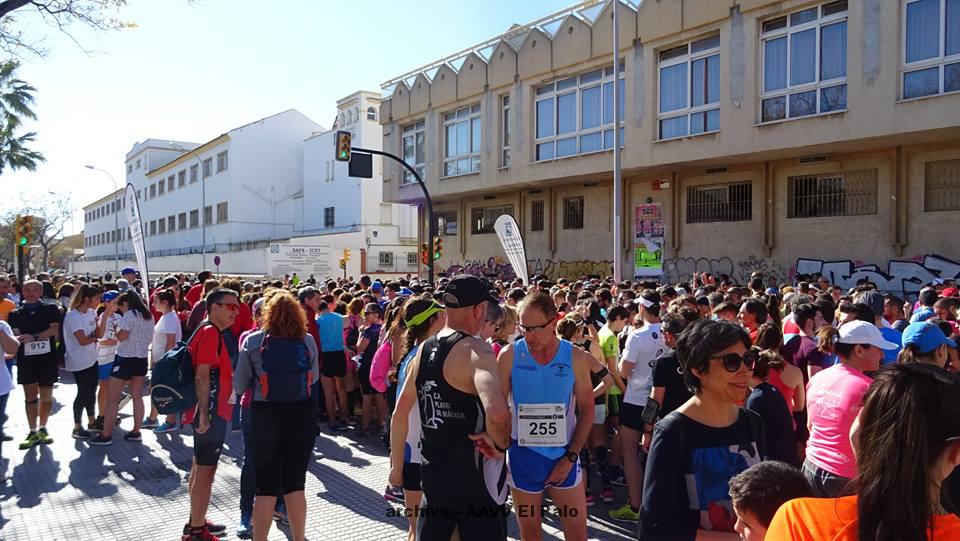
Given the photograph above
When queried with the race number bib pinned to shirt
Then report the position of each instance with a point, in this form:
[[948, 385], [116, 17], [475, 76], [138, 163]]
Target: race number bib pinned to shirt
[[37, 347], [542, 425]]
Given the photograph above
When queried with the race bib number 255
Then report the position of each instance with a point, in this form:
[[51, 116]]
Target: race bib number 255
[[542, 425], [37, 347]]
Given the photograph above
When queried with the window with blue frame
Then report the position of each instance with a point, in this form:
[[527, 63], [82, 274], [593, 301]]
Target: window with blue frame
[[804, 63]]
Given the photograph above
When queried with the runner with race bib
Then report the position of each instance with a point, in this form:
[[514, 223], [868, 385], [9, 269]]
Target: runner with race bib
[[547, 383]]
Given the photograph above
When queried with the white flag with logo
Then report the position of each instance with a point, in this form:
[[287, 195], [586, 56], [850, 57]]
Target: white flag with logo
[[509, 234], [136, 235]]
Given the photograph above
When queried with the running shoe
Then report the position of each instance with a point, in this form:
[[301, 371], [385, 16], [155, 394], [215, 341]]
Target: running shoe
[[215, 529], [393, 494], [616, 476], [164, 428], [149, 424], [101, 440], [204, 535], [606, 495], [132, 436], [44, 437], [81, 434], [625, 514], [30, 441], [245, 530], [281, 519], [590, 500]]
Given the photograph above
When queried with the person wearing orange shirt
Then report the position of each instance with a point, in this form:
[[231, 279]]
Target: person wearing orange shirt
[[6, 305], [907, 443]]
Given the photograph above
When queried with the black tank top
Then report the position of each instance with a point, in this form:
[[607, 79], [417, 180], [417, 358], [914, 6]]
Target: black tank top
[[447, 415]]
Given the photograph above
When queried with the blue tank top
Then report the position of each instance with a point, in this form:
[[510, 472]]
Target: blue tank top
[[535, 383], [411, 447]]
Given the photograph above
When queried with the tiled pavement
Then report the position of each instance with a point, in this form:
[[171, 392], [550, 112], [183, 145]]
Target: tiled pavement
[[137, 491]]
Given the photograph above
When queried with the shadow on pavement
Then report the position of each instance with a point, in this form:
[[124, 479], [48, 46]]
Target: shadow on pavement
[[31, 480]]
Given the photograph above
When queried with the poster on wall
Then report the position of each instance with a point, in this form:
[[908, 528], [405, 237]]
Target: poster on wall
[[648, 240]]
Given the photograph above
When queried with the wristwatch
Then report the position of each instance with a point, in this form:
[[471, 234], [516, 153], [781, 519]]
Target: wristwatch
[[571, 456]]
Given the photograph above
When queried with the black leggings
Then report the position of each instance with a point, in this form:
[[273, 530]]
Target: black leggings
[[86, 380], [283, 436]]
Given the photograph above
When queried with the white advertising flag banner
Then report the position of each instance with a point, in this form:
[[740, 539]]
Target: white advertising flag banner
[[136, 235], [509, 234]]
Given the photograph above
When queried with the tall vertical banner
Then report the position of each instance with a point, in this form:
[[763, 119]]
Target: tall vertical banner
[[136, 236], [648, 240], [509, 234]]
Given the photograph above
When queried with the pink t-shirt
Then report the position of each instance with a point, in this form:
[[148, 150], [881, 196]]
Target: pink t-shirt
[[380, 366], [834, 399]]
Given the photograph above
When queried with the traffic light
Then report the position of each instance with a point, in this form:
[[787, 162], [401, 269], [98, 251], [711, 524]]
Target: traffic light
[[346, 254], [24, 230], [424, 253], [343, 264], [343, 146], [437, 247]]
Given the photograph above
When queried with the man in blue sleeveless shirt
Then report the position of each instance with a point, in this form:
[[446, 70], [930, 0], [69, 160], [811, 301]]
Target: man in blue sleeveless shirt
[[547, 382]]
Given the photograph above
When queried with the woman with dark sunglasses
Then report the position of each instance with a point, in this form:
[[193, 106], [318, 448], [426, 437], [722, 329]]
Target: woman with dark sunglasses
[[909, 443], [698, 447], [834, 396]]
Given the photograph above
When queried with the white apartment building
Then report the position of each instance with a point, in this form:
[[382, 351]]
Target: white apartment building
[[232, 194], [271, 181], [345, 212]]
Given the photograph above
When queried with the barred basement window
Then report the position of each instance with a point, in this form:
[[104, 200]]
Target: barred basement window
[[848, 193], [573, 213], [483, 218], [536, 216], [720, 203], [941, 186], [385, 259]]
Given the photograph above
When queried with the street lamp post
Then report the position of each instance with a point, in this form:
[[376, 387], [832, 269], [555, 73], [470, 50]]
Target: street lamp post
[[116, 218], [203, 203]]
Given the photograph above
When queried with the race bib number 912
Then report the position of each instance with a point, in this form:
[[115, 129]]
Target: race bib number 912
[[37, 347]]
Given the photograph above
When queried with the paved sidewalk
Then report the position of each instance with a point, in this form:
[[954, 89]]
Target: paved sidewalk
[[138, 491]]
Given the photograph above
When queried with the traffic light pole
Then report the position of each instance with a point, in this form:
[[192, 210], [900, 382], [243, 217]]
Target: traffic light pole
[[431, 223]]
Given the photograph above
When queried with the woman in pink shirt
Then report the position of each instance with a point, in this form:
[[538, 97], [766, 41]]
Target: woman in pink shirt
[[834, 398]]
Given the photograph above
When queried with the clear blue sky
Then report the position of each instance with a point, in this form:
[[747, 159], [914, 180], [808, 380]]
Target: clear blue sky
[[191, 71]]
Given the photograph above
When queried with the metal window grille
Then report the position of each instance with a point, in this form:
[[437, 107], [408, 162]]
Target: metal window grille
[[328, 217], [411, 259], [385, 259], [222, 212], [207, 167], [182, 220], [941, 186], [208, 215], [848, 193], [222, 161], [181, 179], [536, 216], [720, 203], [171, 224], [483, 218], [573, 213], [194, 218]]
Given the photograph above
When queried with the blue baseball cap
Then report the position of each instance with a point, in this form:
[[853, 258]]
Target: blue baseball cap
[[926, 336], [128, 270], [109, 296]]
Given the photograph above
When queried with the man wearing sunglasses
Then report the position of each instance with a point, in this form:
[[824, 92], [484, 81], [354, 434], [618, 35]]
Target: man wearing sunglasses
[[548, 384], [463, 409], [213, 374]]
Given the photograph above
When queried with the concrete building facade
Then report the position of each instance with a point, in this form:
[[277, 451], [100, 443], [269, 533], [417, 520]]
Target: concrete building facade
[[786, 136]]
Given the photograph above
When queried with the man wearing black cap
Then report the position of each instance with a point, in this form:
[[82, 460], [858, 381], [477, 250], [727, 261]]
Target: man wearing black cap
[[462, 408]]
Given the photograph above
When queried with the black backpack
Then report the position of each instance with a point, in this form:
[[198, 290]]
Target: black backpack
[[287, 372], [172, 387]]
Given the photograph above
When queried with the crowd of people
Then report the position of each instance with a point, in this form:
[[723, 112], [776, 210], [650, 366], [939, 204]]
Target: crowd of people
[[757, 411]]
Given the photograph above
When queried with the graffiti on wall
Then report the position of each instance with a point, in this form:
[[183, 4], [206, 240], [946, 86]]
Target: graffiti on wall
[[904, 276], [499, 268]]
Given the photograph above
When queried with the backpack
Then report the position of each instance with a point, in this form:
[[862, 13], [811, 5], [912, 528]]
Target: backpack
[[172, 387], [287, 372]]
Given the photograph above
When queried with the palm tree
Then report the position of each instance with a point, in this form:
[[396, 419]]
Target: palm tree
[[16, 99]]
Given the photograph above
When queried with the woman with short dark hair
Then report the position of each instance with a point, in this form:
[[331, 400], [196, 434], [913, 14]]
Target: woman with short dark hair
[[706, 441]]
